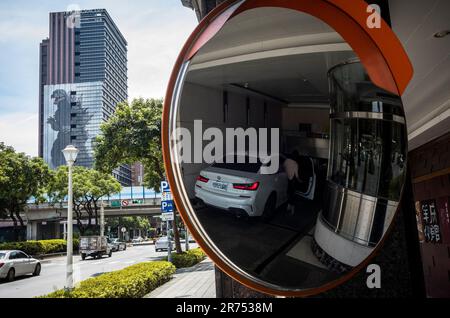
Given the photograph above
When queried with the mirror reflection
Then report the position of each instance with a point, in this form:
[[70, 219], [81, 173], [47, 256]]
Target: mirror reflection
[[292, 159]]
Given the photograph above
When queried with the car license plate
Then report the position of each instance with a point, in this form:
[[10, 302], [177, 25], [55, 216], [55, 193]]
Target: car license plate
[[220, 185]]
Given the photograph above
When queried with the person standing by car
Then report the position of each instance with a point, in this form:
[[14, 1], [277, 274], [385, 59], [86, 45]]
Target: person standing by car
[[290, 166]]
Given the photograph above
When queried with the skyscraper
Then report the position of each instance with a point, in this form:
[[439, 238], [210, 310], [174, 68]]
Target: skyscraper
[[83, 75]]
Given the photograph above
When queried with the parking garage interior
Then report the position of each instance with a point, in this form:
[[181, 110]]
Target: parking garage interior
[[268, 68]]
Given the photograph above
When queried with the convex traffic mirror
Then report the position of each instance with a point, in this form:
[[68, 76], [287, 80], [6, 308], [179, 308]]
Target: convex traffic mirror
[[285, 141]]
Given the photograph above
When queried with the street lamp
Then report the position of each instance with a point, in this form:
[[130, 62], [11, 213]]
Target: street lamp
[[70, 154]]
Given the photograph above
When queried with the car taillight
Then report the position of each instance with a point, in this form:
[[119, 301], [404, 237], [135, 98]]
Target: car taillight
[[202, 179], [1, 265], [246, 186]]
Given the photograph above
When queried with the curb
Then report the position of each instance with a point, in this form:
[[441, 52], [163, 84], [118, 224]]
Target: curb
[[45, 258]]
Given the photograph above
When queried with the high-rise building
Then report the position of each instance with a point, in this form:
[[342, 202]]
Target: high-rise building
[[83, 76]]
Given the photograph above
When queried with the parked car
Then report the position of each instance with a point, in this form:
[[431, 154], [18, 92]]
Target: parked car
[[241, 187], [137, 240], [162, 244], [17, 263]]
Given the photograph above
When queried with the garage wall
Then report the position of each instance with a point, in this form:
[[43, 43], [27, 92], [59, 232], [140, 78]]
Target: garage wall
[[319, 118], [206, 104]]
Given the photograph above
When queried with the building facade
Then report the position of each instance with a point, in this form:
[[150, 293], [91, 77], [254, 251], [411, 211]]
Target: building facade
[[83, 76]]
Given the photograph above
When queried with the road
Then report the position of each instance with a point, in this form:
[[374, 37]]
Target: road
[[53, 274]]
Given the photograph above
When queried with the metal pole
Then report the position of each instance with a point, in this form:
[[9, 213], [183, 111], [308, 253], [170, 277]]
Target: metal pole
[[169, 242], [102, 219], [69, 267], [187, 240]]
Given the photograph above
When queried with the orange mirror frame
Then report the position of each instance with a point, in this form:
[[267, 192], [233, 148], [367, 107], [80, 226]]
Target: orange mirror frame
[[379, 50]]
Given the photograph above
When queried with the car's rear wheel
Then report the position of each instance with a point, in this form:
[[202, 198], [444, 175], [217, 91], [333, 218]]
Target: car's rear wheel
[[37, 270], [11, 275], [269, 207], [83, 256]]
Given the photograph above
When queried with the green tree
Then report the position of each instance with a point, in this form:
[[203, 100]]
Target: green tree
[[21, 178], [130, 222], [89, 186], [133, 134]]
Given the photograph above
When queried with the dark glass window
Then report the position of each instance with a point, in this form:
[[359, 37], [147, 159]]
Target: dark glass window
[[368, 156], [247, 166]]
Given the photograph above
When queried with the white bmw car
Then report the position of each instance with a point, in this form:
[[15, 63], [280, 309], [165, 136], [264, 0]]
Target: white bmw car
[[242, 188]]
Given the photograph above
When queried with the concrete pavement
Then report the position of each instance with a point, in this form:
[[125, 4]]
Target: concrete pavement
[[53, 274], [194, 282]]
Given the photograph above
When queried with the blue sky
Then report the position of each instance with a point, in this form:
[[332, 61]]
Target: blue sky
[[155, 31]]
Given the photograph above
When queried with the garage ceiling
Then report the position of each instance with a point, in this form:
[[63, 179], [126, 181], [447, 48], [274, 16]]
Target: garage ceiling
[[278, 52], [293, 79]]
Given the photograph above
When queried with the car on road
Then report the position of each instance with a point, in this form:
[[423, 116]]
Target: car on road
[[162, 244], [94, 246], [117, 245], [242, 188], [137, 240], [15, 263]]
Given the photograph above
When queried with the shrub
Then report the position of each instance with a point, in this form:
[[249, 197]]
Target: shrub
[[37, 248], [189, 258], [135, 281]]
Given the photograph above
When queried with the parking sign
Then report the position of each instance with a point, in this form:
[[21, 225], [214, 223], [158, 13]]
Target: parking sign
[[167, 206], [165, 186]]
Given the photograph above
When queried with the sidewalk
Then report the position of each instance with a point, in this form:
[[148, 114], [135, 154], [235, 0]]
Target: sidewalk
[[194, 282]]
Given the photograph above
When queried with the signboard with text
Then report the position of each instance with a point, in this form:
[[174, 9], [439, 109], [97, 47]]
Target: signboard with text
[[430, 222], [167, 216], [167, 205]]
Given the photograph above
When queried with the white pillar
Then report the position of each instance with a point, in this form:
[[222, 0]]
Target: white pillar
[[31, 230]]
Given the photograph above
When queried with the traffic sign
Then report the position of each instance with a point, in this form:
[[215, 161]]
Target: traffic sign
[[125, 203], [123, 230], [166, 196], [168, 216], [165, 187], [167, 206], [115, 204]]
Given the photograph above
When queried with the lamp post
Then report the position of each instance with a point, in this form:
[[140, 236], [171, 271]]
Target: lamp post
[[70, 154]]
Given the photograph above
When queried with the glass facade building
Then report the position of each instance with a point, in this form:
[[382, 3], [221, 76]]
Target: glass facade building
[[83, 76]]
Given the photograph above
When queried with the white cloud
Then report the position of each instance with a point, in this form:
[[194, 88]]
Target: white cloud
[[20, 130]]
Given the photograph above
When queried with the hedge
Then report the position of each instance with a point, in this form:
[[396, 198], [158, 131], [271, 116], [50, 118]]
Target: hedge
[[188, 259], [37, 248], [134, 281]]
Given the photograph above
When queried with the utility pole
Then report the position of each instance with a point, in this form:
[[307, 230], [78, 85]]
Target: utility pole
[[169, 243], [102, 218], [186, 244]]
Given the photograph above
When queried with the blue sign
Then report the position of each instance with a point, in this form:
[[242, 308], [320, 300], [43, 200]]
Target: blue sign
[[167, 206], [165, 186]]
